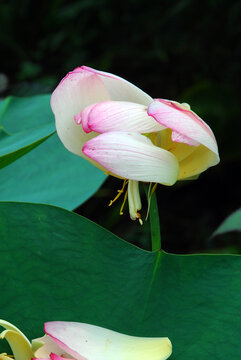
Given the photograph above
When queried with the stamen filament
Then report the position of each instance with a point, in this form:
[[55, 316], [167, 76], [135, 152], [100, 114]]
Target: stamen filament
[[119, 193], [139, 218], [124, 201]]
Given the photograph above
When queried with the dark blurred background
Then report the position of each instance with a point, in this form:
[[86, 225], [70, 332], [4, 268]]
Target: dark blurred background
[[185, 50]]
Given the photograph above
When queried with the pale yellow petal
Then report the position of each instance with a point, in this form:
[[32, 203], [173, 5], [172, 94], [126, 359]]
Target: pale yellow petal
[[200, 160], [21, 347], [180, 150]]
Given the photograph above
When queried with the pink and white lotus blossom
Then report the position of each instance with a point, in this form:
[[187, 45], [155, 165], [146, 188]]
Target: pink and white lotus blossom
[[123, 131], [79, 341]]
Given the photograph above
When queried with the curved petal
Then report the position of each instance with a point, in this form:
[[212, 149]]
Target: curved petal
[[118, 116], [77, 90], [133, 156], [197, 162], [84, 341], [21, 347], [120, 89], [7, 325], [18, 342], [187, 126]]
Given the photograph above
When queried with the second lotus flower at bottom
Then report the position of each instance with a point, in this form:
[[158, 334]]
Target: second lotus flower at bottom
[[81, 341]]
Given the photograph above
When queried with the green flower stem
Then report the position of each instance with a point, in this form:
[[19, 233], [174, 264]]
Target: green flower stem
[[155, 224], [153, 213]]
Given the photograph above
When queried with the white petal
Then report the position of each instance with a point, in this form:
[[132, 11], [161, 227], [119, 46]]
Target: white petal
[[118, 116], [133, 156], [77, 90], [84, 341], [120, 89]]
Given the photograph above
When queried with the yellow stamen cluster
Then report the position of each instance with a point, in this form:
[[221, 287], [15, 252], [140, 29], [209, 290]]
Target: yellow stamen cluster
[[151, 191]]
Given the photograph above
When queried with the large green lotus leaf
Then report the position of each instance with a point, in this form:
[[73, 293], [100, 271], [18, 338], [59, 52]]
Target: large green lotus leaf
[[56, 265], [25, 123], [50, 174], [232, 223]]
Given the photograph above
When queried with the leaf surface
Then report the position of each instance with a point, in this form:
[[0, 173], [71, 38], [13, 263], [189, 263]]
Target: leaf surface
[[56, 265]]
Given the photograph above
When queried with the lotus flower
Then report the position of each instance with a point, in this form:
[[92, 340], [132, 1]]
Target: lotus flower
[[123, 131], [72, 340]]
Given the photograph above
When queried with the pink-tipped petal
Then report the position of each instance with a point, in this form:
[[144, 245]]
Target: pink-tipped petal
[[187, 125], [77, 90], [121, 89], [118, 116], [133, 156], [84, 115], [96, 343]]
